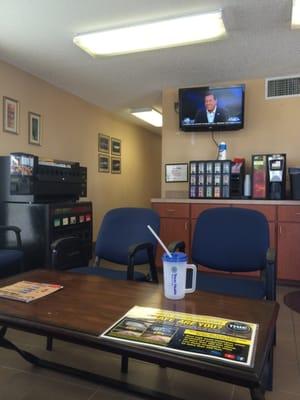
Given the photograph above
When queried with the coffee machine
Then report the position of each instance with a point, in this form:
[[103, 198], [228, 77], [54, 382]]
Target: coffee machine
[[268, 176], [276, 178]]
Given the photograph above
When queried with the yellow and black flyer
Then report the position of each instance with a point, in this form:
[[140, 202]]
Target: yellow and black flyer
[[196, 335]]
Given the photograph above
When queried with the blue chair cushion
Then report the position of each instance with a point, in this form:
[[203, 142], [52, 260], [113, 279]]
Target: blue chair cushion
[[231, 239], [109, 273], [10, 262], [122, 228], [251, 288]]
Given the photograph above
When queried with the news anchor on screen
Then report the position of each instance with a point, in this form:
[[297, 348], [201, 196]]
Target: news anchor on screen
[[212, 113]]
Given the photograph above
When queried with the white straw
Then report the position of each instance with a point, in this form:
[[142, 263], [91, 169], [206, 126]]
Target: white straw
[[159, 240]]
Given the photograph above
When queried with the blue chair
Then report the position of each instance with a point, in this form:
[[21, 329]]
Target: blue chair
[[123, 239], [11, 254], [234, 240]]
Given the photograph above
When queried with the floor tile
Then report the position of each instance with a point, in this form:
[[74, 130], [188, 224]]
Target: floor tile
[[25, 386]]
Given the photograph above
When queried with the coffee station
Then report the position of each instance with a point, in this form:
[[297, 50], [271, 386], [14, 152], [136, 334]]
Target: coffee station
[[228, 183]]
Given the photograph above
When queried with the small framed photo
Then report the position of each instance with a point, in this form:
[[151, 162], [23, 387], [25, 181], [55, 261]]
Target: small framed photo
[[34, 126], [176, 172], [103, 143], [116, 147], [10, 115], [103, 163], [115, 165]]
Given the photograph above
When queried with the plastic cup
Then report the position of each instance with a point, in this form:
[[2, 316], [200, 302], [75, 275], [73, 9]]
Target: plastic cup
[[175, 269]]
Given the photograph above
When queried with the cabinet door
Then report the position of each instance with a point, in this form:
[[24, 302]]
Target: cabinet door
[[268, 211], [172, 210], [172, 229], [197, 209], [288, 251]]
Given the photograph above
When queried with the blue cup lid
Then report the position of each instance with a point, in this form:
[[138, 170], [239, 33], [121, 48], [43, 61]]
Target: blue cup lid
[[176, 257]]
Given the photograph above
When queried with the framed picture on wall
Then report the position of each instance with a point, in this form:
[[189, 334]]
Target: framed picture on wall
[[176, 172], [10, 115], [34, 127], [103, 143], [115, 165], [115, 147], [103, 162]]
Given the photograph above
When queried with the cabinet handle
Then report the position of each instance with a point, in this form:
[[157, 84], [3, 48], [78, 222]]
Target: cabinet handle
[[169, 210], [280, 230], [186, 224], [298, 213]]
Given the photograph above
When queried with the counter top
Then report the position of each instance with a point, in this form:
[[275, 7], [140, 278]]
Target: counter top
[[231, 201]]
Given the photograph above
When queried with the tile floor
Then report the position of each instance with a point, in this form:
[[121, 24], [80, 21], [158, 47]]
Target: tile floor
[[21, 381]]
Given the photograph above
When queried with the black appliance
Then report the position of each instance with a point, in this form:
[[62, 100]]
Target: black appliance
[[295, 183], [268, 176], [44, 223], [209, 179], [26, 178], [41, 197], [237, 178], [277, 176]]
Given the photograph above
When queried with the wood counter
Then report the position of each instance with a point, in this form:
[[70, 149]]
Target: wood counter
[[178, 218]]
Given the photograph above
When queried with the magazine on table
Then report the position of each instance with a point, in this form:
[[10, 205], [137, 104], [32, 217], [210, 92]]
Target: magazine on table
[[26, 291], [205, 336]]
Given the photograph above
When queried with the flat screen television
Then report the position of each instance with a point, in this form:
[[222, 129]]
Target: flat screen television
[[211, 108]]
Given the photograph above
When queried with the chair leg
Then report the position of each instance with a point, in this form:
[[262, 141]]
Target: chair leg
[[124, 364], [49, 345]]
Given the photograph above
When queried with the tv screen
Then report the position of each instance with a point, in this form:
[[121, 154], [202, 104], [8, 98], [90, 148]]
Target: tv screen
[[211, 108]]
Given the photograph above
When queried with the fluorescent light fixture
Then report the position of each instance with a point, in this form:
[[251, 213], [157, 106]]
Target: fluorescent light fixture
[[296, 14], [154, 35], [149, 115]]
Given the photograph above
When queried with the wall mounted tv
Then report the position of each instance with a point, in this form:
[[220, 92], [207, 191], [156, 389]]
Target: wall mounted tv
[[211, 108]]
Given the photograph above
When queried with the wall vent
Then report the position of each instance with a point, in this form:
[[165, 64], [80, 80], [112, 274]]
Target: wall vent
[[286, 86]]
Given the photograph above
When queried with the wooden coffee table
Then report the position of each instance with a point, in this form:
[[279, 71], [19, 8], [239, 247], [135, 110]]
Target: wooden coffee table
[[88, 305]]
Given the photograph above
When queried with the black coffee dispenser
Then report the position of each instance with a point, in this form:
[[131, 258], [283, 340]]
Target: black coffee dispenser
[[276, 167]]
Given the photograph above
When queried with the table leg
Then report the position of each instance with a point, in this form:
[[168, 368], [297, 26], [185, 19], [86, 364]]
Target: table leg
[[124, 364], [49, 343], [257, 394]]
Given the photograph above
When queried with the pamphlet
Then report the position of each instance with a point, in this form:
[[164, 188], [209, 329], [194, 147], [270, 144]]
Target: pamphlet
[[215, 338], [26, 291]]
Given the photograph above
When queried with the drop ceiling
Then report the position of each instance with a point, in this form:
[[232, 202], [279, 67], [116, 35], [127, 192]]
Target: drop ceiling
[[36, 36]]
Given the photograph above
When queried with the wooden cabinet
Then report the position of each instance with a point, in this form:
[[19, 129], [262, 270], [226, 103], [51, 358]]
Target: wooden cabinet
[[288, 245], [178, 223], [174, 225]]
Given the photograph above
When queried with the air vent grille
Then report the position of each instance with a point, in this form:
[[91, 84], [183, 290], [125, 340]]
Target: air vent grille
[[282, 87]]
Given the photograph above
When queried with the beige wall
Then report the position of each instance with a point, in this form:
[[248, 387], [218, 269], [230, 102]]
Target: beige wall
[[271, 126], [70, 129]]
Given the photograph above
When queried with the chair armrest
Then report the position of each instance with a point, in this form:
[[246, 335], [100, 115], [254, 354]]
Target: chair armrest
[[271, 274], [132, 251], [16, 230], [176, 246], [68, 252]]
